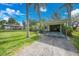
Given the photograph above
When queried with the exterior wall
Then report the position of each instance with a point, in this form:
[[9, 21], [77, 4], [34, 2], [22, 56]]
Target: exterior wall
[[60, 28], [7, 27]]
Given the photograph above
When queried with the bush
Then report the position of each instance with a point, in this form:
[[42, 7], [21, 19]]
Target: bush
[[68, 30]]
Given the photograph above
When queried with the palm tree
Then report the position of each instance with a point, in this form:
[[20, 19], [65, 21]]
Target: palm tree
[[37, 7], [55, 16], [27, 18], [69, 8]]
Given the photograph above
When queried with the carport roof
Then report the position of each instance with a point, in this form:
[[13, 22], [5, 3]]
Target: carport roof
[[56, 22]]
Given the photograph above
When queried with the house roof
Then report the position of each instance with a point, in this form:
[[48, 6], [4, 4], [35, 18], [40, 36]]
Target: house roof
[[11, 25]]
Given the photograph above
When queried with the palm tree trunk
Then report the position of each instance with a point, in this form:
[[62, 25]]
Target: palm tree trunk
[[40, 20], [69, 14], [69, 17], [27, 23], [39, 15]]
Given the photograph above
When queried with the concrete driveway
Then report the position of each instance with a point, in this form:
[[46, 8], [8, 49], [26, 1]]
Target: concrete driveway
[[49, 44]]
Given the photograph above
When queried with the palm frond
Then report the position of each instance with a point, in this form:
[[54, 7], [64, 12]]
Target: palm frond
[[55, 15]]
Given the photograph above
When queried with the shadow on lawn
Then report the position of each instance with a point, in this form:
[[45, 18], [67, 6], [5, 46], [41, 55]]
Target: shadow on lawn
[[7, 41], [3, 38], [9, 46], [75, 41], [58, 42], [19, 43]]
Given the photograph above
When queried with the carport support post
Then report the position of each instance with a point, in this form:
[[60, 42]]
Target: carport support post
[[60, 28], [47, 29]]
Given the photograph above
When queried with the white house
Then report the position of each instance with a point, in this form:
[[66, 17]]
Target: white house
[[12, 26]]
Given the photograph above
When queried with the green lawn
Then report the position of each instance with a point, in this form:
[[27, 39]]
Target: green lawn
[[75, 39], [10, 42]]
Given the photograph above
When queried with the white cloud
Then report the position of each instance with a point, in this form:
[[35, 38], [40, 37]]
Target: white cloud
[[11, 12], [75, 12], [6, 18], [43, 9], [18, 13]]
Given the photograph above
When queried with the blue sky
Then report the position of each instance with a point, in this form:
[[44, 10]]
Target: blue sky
[[50, 9], [18, 11]]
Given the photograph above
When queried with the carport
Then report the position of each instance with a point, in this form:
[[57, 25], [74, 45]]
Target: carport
[[54, 28], [55, 25]]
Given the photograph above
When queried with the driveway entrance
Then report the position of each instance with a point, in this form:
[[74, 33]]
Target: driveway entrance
[[49, 45]]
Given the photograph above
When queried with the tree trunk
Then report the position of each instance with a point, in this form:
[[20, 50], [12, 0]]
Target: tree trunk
[[69, 14], [27, 23], [40, 20]]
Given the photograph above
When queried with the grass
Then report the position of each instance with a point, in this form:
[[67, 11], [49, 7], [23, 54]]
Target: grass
[[10, 42], [75, 39]]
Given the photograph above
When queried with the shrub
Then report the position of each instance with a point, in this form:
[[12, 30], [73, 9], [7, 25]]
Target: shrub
[[68, 30]]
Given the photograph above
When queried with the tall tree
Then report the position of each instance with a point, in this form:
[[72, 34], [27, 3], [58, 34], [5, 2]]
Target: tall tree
[[2, 22], [37, 7], [23, 23], [55, 16], [69, 8], [11, 21], [27, 20]]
